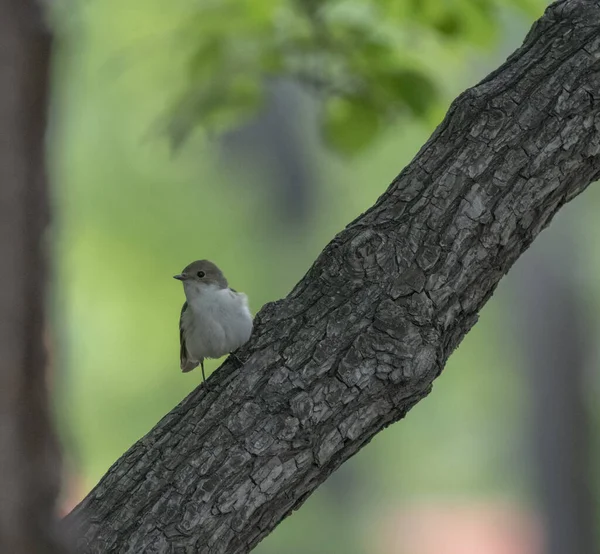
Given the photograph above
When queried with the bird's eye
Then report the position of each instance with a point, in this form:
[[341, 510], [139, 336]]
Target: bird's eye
[[201, 274]]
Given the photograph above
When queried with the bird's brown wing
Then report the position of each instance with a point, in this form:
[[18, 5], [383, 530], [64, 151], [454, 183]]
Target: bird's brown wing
[[184, 362]]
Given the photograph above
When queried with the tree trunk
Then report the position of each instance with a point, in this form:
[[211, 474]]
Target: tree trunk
[[29, 469], [361, 338], [554, 337]]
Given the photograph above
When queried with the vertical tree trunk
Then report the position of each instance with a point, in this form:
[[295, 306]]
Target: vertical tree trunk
[[553, 330], [29, 469], [271, 148]]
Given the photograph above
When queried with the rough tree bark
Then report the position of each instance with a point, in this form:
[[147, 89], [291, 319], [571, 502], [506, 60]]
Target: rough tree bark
[[29, 469], [361, 338]]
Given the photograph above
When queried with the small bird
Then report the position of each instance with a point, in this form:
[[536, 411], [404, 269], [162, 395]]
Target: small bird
[[215, 319]]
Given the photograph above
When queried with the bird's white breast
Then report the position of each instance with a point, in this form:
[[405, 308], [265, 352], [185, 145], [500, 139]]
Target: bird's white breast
[[216, 322]]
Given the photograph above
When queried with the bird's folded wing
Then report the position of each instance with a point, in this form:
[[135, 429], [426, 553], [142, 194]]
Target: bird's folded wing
[[184, 362]]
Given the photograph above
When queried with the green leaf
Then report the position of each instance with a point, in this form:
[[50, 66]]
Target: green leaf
[[350, 124], [413, 88], [449, 24]]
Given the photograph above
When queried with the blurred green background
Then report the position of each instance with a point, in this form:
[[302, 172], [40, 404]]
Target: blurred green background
[[249, 134]]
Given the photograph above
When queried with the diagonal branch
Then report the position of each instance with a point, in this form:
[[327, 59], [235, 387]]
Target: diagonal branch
[[361, 338]]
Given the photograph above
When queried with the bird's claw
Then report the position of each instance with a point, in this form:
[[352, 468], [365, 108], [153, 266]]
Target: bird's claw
[[237, 359]]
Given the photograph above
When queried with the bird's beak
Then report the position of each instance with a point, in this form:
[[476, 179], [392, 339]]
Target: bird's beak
[[179, 277]]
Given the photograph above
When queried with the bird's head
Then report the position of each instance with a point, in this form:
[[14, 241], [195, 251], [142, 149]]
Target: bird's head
[[201, 275]]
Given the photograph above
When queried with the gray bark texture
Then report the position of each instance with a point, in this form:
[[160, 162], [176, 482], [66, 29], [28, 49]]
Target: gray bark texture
[[29, 464], [361, 338]]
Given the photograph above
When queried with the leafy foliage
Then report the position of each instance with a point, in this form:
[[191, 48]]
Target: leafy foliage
[[368, 60], [222, 54]]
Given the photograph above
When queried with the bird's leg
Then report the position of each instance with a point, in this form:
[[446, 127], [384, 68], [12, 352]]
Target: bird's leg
[[203, 376]]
